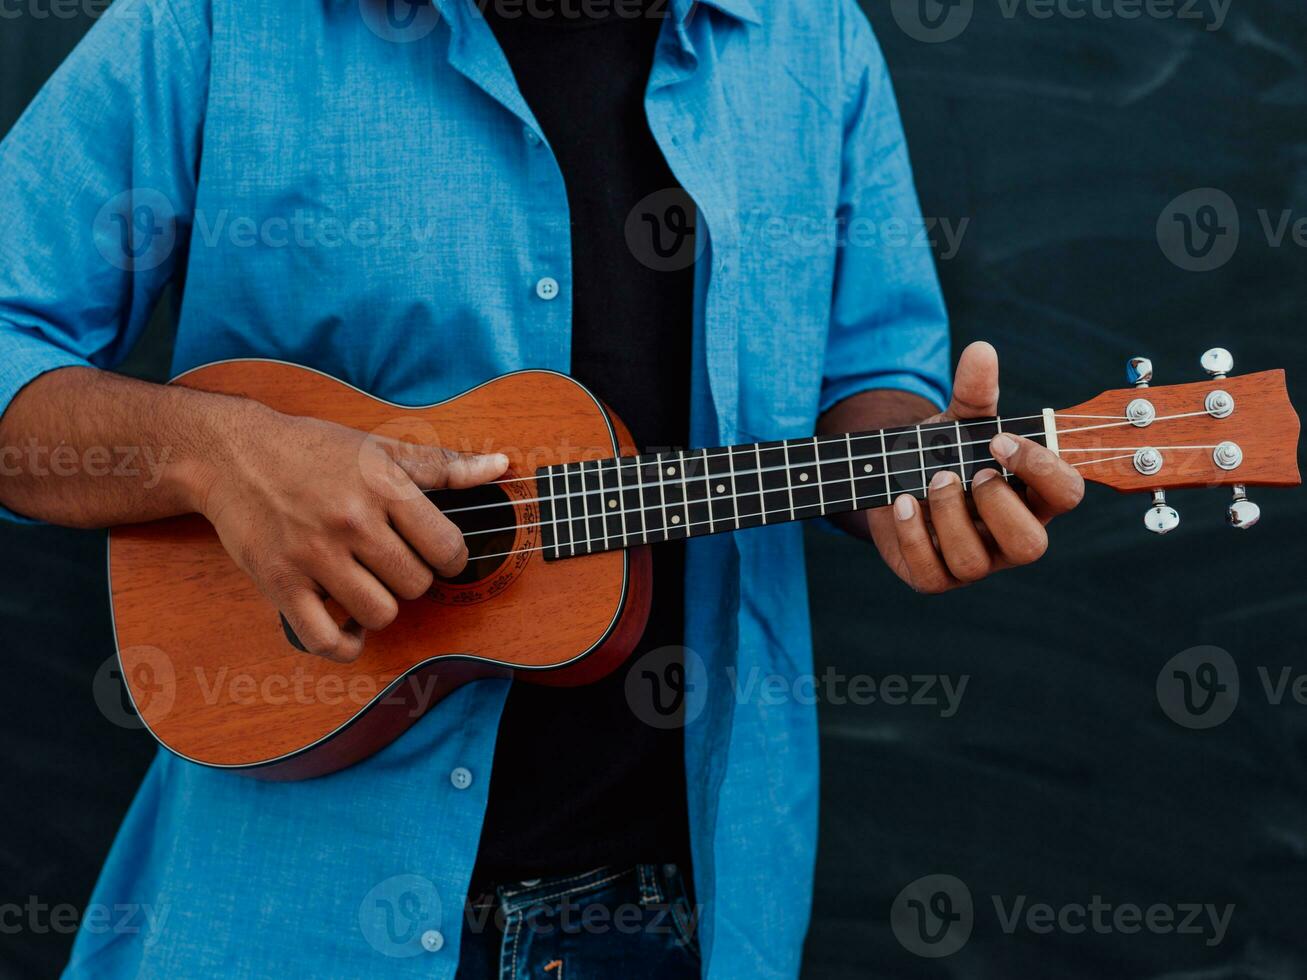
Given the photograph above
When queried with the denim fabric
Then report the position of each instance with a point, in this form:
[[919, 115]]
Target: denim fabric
[[636, 923], [373, 198]]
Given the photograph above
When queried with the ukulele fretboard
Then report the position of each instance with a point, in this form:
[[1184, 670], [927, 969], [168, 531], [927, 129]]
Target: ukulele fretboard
[[606, 504]]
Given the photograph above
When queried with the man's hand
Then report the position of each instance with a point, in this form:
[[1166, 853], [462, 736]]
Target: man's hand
[[950, 542], [310, 509]]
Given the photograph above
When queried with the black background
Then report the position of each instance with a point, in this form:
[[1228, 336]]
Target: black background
[[1061, 141]]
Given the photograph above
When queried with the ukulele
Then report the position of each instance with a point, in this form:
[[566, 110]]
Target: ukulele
[[557, 585]]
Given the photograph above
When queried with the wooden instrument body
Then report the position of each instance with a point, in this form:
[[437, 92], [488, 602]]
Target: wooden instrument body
[[211, 671]]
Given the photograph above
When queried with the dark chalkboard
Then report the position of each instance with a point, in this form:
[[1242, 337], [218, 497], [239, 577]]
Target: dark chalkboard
[[1056, 154]]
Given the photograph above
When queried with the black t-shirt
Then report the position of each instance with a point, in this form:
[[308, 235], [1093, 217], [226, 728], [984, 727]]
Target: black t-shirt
[[579, 780]]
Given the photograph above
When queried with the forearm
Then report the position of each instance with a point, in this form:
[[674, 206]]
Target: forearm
[[86, 448], [866, 411]]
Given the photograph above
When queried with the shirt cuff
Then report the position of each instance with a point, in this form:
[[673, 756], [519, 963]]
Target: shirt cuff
[[23, 359], [835, 392]]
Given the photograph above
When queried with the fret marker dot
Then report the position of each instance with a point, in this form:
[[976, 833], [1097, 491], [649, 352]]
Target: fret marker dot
[[676, 518], [721, 488], [867, 468], [803, 477], [612, 503], [671, 471]]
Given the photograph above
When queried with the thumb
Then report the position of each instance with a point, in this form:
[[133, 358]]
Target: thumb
[[433, 468], [975, 383]]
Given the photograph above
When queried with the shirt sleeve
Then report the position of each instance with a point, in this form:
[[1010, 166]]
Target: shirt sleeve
[[889, 327], [97, 183]]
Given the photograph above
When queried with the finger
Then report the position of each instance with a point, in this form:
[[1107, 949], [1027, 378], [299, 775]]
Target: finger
[[431, 534], [1017, 533], [975, 383], [1059, 485], [433, 468], [926, 569], [964, 551], [392, 561], [368, 602], [318, 633]]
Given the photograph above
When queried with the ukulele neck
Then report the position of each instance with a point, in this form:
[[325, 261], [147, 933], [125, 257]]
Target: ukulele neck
[[607, 504]]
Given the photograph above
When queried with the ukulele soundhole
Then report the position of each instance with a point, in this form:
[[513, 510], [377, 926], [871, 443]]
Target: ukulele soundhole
[[499, 524]]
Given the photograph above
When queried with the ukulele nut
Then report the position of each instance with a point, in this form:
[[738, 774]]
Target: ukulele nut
[[1148, 461], [1227, 456], [1219, 404], [1140, 412]]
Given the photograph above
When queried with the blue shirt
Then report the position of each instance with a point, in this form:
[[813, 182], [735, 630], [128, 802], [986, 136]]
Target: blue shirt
[[369, 194]]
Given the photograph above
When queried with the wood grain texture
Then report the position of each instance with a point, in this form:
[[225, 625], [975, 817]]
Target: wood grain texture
[[203, 652], [1264, 425]]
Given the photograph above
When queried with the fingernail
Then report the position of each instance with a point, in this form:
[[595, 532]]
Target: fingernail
[[904, 508], [942, 479], [498, 459], [983, 476], [1003, 445]]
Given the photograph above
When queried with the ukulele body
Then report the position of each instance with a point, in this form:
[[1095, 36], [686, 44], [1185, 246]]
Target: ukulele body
[[214, 675]]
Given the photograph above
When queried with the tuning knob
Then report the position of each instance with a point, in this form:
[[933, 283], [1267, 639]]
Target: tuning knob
[[1217, 362], [1161, 518], [1139, 371], [1243, 513]]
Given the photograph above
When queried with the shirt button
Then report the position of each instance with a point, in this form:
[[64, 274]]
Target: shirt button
[[461, 778], [531, 136], [547, 288], [432, 941]]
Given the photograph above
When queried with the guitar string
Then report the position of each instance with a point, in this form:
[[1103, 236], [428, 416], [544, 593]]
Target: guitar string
[[568, 494], [624, 512], [896, 430], [783, 510]]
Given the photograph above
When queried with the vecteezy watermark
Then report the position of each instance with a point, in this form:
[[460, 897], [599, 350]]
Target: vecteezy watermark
[[934, 916], [401, 917], [121, 919], [400, 21], [34, 459], [667, 688], [938, 21], [1200, 230], [150, 696], [1200, 688], [662, 231], [136, 230]]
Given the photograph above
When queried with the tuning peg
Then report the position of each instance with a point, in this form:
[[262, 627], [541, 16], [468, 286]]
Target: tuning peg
[[1139, 371], [1161, 518], [1218, 362], [1243, 513]]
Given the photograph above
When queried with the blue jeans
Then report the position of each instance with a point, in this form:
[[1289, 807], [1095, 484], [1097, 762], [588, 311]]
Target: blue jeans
[[636, 924]]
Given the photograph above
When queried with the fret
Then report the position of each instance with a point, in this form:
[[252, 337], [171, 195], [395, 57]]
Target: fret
[[774, 480], [748, 488], [611, 503], [870, 478], [592, 504], [553, 535], [671, 480], [835, 474], [904, 461], [939, 449], [720, 477], [578, 532], [975, 448], [697, 507], [884, 455], [655, 513], [629, 478], [962, 469], [762, 502], [1001, 468], [805, 482]]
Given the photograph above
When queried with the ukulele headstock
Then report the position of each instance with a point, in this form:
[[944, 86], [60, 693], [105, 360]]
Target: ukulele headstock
[[1223, 432]]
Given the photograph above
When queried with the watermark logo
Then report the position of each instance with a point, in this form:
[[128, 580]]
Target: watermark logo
[[153, 687], [933, 916], [662, 232], [400, 21], [1199, 230], [136, 231], [667, 688], [932, 21], [400, 917], [1199, 687]]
